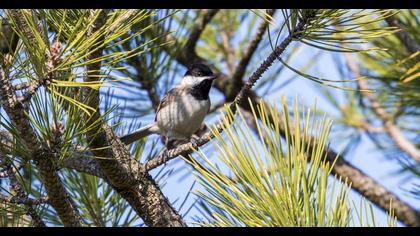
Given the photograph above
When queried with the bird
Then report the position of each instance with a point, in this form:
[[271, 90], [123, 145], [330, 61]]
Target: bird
[[182, 110]]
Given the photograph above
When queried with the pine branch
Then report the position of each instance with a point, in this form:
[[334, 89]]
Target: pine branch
[[374, 191], [53, 55], [21, 197], [23, 201], [390, 127], [411, 45], [40, 153], [246, 58], [124, 173], [189, 48], [84, 162]]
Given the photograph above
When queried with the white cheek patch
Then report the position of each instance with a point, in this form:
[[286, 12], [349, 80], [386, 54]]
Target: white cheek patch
[[188, 80]]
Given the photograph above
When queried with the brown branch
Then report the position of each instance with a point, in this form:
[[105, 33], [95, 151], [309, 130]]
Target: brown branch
[[227, 49], [196, 31], [390, 127], [124, 173], [239, 100], [83, 162], [374, 191], [21, 197], [32, 89], [80, 159], [20, 86], [246, 58], [365, 125], [27, 201], [411, 45], [5, 173], [344, 169]]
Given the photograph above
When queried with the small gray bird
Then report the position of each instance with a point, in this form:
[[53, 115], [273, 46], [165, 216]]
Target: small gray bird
[[182, 110]]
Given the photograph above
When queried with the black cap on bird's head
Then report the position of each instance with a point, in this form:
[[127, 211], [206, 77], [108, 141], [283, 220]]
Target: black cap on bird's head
[[200, 70], [199, 79]]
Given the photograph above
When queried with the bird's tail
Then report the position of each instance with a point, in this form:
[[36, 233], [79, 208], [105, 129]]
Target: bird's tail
[[140, 133]]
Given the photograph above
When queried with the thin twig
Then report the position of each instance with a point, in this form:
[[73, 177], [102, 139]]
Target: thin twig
[[22, 197], [411, 45], [198, 29], [24, 201], [20, 86], [32, 89], [5, 173], [253, 45], [389, 125]]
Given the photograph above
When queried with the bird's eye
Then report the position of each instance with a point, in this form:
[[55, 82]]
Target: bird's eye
[[199, 74]]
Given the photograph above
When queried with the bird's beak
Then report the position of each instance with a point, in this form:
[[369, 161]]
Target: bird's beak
[[213, 77]]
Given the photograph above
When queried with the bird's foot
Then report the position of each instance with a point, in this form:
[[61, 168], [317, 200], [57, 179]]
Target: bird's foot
[[165, 155], [194, 140]]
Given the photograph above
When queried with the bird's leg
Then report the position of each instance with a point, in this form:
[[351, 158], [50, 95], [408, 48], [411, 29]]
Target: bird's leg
[[166, 142], [166, 150], [194, 139]]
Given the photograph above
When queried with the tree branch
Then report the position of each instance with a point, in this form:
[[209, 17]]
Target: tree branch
[[124, 173], [391, 128], [411, 45], [21, 197], [253, 45], [189, 48], [27, 201], [83, 162], [373, 191], [40, 152]]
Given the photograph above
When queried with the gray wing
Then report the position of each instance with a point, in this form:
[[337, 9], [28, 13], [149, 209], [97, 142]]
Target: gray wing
[[167, 99]]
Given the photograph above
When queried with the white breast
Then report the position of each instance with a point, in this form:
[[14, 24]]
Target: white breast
[[182, 117]]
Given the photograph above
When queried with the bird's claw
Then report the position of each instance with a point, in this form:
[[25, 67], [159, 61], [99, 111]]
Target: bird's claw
[[165, 155], [194, 140]]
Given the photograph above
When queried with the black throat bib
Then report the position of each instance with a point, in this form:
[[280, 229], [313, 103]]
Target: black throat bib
[[201, 90]]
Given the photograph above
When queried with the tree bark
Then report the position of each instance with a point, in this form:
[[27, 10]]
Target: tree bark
[[124, 173]]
